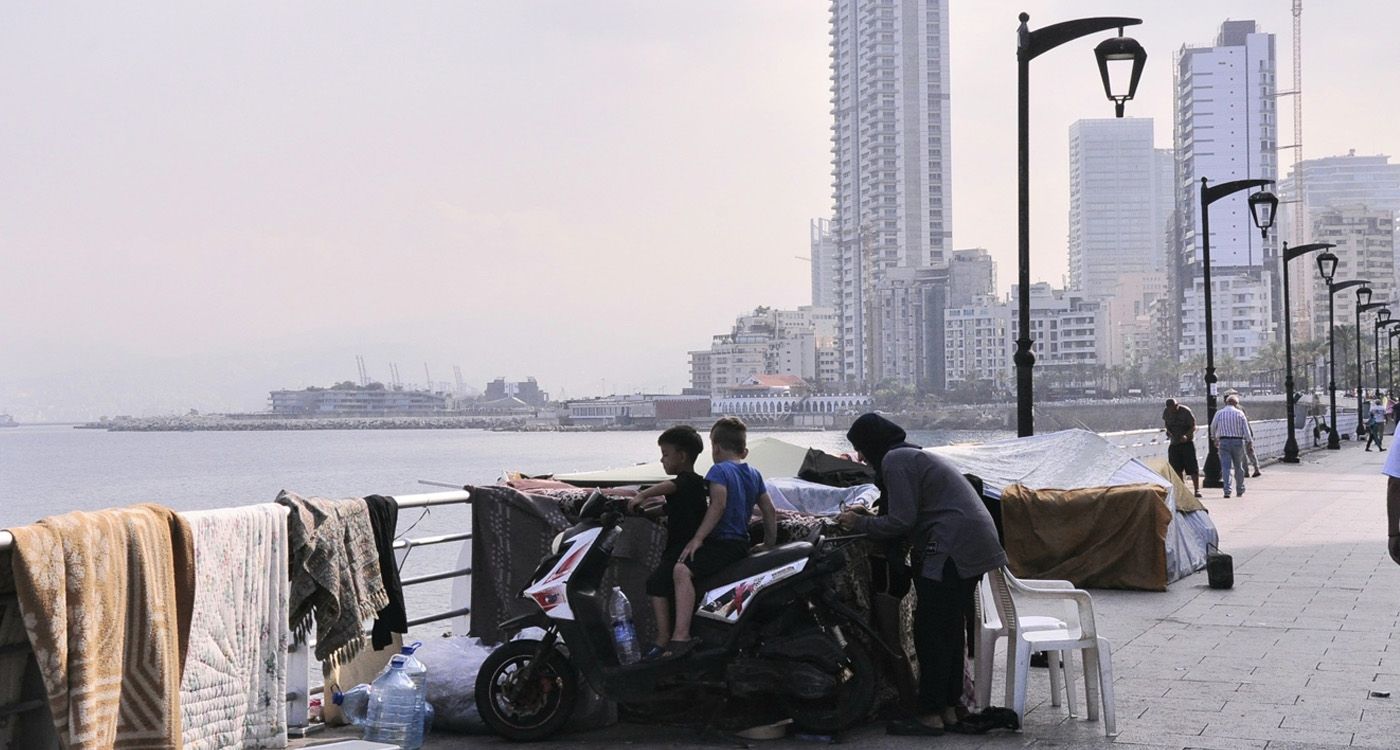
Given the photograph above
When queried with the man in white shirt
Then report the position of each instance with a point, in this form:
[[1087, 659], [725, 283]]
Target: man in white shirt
[[1229, 430]]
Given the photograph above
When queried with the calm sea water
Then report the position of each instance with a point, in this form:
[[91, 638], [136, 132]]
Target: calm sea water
[[46, 470]]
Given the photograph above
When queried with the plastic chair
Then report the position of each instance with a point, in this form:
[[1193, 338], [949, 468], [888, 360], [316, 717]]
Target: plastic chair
[[1078, 635], [992, 629]]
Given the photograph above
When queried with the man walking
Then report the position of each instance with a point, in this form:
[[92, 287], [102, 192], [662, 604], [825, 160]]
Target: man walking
[[1375, 424], [1181, 439], [1229, 431]]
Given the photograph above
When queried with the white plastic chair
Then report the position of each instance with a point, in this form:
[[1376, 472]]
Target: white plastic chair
[[992, 629], [1078, 635]]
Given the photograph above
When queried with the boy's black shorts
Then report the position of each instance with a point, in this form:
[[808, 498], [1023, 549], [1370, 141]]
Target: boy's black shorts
[[1182, 457], [715, 555], [662, 581]]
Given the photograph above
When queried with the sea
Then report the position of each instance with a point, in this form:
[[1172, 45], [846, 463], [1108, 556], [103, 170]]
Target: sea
[[51, 469]]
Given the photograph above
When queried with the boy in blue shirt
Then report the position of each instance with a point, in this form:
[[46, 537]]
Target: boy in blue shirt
[[723, 536]]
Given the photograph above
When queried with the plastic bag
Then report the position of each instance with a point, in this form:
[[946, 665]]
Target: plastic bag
[[452, 666]]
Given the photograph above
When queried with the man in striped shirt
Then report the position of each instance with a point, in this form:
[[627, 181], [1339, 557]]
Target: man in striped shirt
[[1229, 431]]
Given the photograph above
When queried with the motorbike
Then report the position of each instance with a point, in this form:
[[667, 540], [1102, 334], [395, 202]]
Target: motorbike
[[771, 628]]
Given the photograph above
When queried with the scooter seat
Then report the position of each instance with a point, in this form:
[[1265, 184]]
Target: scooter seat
[[755, 564]]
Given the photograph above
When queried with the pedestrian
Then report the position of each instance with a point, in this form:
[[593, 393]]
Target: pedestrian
[[1180, 424], [1375, 424], [1249, 446], [1392, 503], [952, 541], [1229, 433]]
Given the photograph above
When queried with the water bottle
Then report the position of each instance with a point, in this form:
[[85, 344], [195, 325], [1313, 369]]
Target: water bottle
[[354, 703], [395, 709], [624, 632], [415, 669]]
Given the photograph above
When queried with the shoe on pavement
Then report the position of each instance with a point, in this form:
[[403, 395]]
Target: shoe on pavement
[[1241, 492], [1227, 494], [1255, 475]]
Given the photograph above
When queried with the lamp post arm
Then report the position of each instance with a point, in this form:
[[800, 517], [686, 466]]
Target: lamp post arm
[[1035, 43], [1372, 306], [1211, 194], [1293, 252], [1340, 285]]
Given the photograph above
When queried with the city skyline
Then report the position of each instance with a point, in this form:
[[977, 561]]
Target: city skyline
[[214, 202]]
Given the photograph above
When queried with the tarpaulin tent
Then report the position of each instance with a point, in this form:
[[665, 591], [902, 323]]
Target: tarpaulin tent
[[1079, 459]]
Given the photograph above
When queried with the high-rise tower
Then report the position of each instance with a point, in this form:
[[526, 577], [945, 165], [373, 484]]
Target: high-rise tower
[[1226, 129], [891, 170]]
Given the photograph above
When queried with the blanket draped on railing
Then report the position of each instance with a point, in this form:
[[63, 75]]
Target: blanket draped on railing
[[236, 676], [335, 573], [106, 598]]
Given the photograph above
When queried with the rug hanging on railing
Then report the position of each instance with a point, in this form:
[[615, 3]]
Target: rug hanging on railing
[[106, 598], [335, 575], [236, 673]]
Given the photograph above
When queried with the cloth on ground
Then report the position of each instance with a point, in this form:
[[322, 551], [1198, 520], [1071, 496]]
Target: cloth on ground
[[235, 678], [1186, 500], [384, 518], [1105, 537], [107, 598], [335, 576]]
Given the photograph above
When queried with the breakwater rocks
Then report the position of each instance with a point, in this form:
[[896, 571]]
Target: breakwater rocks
[[212, 423]]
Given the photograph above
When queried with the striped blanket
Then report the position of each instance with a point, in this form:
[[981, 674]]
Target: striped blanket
[[236, 675], [106, 599]]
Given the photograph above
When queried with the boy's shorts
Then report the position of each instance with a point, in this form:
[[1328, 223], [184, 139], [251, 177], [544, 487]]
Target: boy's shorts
[[662, 581], [715, 555]]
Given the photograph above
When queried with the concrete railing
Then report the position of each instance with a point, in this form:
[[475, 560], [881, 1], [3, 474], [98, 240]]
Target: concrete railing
[[1269, 438]]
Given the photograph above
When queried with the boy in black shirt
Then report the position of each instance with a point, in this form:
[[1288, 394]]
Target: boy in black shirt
[[685, 503]]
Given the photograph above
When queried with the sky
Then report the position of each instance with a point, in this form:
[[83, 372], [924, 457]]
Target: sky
[[201, 202]]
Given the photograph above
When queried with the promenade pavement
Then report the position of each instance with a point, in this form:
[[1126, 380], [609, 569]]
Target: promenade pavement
[[1286, 660]]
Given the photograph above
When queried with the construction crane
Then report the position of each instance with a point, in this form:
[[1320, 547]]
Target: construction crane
[[364, 375], [1300, 217]]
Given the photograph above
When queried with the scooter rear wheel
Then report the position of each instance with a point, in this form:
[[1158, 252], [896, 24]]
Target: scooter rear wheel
[[525, 710]]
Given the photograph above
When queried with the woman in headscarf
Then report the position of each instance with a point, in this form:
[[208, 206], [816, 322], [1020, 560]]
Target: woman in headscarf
[[953, 542]]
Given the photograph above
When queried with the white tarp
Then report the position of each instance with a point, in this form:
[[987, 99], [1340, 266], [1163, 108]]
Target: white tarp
[[1075, 459]]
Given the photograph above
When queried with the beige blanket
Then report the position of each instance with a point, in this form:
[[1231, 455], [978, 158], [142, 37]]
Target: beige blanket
[[106, 599]]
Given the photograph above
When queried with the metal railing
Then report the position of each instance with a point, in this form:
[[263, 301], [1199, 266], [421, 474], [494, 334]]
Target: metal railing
[[299, 691]]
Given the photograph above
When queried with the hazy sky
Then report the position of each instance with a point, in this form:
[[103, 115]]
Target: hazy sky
[[203, 201]]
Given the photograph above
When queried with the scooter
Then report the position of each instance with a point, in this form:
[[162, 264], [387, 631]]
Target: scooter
[[771, 628]]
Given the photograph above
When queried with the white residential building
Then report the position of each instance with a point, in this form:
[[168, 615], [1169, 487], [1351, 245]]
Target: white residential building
[[1226, 129], [1330, 182], [1365, 249], [824, 260], [1120, 199], [977, 344], [1071, 335], [891, 163], [800, 343]]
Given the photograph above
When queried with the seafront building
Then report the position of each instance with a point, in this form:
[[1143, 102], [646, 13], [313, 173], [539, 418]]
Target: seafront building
[[786, 401], [639, 410], [350, 400], [1226, 129], [1365, 249], [891, 176], [799, 342], [1327, 184]]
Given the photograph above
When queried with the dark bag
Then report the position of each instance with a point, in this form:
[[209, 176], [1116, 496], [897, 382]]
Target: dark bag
[[1220, 568]]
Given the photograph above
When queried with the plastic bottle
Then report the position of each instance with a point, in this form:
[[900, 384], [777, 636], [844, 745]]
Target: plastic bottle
[[624, 631], [354, 703], [415, 669], [395, 709]]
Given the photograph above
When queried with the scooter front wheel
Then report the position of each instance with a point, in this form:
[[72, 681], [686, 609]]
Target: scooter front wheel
[[523, 701]]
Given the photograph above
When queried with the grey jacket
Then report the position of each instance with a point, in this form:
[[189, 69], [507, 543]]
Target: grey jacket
[[932, 504]]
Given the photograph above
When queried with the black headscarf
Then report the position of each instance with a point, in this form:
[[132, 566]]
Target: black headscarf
[[874, 436]]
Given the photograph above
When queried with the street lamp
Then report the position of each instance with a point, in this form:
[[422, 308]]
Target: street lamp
[[1120, 81], [1290, 448], [1327, 266], [1382, 320], [1363, 304], [1390, 359], [1261, 208]]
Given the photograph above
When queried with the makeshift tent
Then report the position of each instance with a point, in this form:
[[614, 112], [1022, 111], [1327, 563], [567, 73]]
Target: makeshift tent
[[1079, 459]]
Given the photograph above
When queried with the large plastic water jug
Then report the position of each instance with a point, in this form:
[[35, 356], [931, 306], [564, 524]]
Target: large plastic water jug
[[396, 709]]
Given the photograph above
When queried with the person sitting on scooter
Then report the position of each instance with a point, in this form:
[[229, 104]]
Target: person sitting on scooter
[[684, 505], [953, 542], [723, 536]]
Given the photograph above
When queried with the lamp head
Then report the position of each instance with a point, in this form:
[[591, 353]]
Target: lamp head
[[1262, 206], [1383, 314], [1363, 295], [1327, 266], [1120, 66]]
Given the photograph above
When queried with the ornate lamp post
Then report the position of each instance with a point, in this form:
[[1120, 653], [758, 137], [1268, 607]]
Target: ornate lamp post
[[1363, 304], [1262, 207], [1390, 358], [1382, 320], [1120, 65], [1290, 448], [1327, 266]]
